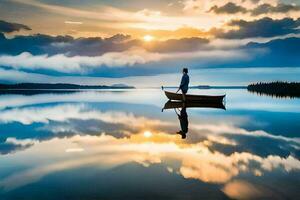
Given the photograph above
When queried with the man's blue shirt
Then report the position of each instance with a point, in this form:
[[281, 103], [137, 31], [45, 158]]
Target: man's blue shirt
[[184, 85]]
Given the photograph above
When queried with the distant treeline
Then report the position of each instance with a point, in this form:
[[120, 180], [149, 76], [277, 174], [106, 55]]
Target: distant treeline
[[277, 89], [50, 86]]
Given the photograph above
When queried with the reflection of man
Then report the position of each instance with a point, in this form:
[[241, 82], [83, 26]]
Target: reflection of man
[[184, 123]]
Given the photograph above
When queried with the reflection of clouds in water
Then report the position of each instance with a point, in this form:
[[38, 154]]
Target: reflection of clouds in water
[[197, 161], [11, 145], [70, 119], [219, 168], [232, 150], [240, 189], [73, 111], [223, 128], [67, 112], [146, 140]]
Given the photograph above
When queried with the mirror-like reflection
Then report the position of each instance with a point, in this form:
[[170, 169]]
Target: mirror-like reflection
[[184, 122], [177, 104], [95, 141], [180, 109]]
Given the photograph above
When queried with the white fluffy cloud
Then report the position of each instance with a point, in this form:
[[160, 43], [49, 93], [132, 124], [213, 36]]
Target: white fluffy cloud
[[132, 57], [63, 63]]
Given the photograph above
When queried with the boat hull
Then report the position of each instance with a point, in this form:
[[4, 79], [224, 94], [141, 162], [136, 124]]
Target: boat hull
[[195, 98], [178, 104]]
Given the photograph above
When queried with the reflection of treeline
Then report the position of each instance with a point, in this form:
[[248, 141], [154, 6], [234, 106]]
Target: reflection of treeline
[[44, 86], [277, 89], [28, 92]]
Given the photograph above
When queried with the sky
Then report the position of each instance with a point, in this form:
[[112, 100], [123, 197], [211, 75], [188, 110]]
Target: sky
[[120, 41]]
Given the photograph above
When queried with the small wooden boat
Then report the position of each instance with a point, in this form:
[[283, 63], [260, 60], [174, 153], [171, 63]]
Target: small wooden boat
[[178, 104], [195, 98]]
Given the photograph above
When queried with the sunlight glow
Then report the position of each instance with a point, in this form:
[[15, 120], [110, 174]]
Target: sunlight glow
[[147, 134], [74, 150], [148, 38]]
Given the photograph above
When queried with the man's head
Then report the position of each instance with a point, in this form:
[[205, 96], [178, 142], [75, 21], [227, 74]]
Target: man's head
[[185, 70]]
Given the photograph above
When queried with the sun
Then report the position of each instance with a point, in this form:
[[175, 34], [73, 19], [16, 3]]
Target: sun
[[148, 38], [147, 134]]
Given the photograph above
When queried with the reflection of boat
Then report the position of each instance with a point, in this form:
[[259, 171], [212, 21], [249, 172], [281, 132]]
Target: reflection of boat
[[180, 109], [178, 104], [195, 98]]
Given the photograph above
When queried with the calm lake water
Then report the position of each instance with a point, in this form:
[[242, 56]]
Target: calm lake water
[[120, 145]]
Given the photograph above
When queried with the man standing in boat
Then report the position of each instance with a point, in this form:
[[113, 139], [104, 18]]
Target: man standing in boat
[[184, 84]]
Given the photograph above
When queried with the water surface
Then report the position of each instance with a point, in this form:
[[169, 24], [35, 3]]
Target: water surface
[[117, 144]]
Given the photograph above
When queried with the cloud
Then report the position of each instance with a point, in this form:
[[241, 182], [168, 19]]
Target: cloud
[[78, 64], [104, 13], [265, 8], [93, 46], [68, 112], [240, 189], [121, 56], [73, 22], [7, 27], [112, 17], [282, 52], [9, 145], [196, 160], [136, 58], [254, 1], [229, 8], [179, 45], [121, 52], [224, 138], [118, 38], [279, 8], [265, 27], [35, 44], [182, 32]]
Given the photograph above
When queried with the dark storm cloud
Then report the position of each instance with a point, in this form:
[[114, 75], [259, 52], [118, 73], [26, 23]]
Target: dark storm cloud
[[265, 27], [7, 27], [279, 8], [229, 8]]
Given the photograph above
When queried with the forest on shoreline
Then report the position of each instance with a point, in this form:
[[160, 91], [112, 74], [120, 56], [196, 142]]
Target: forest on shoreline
[[277, 89]]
